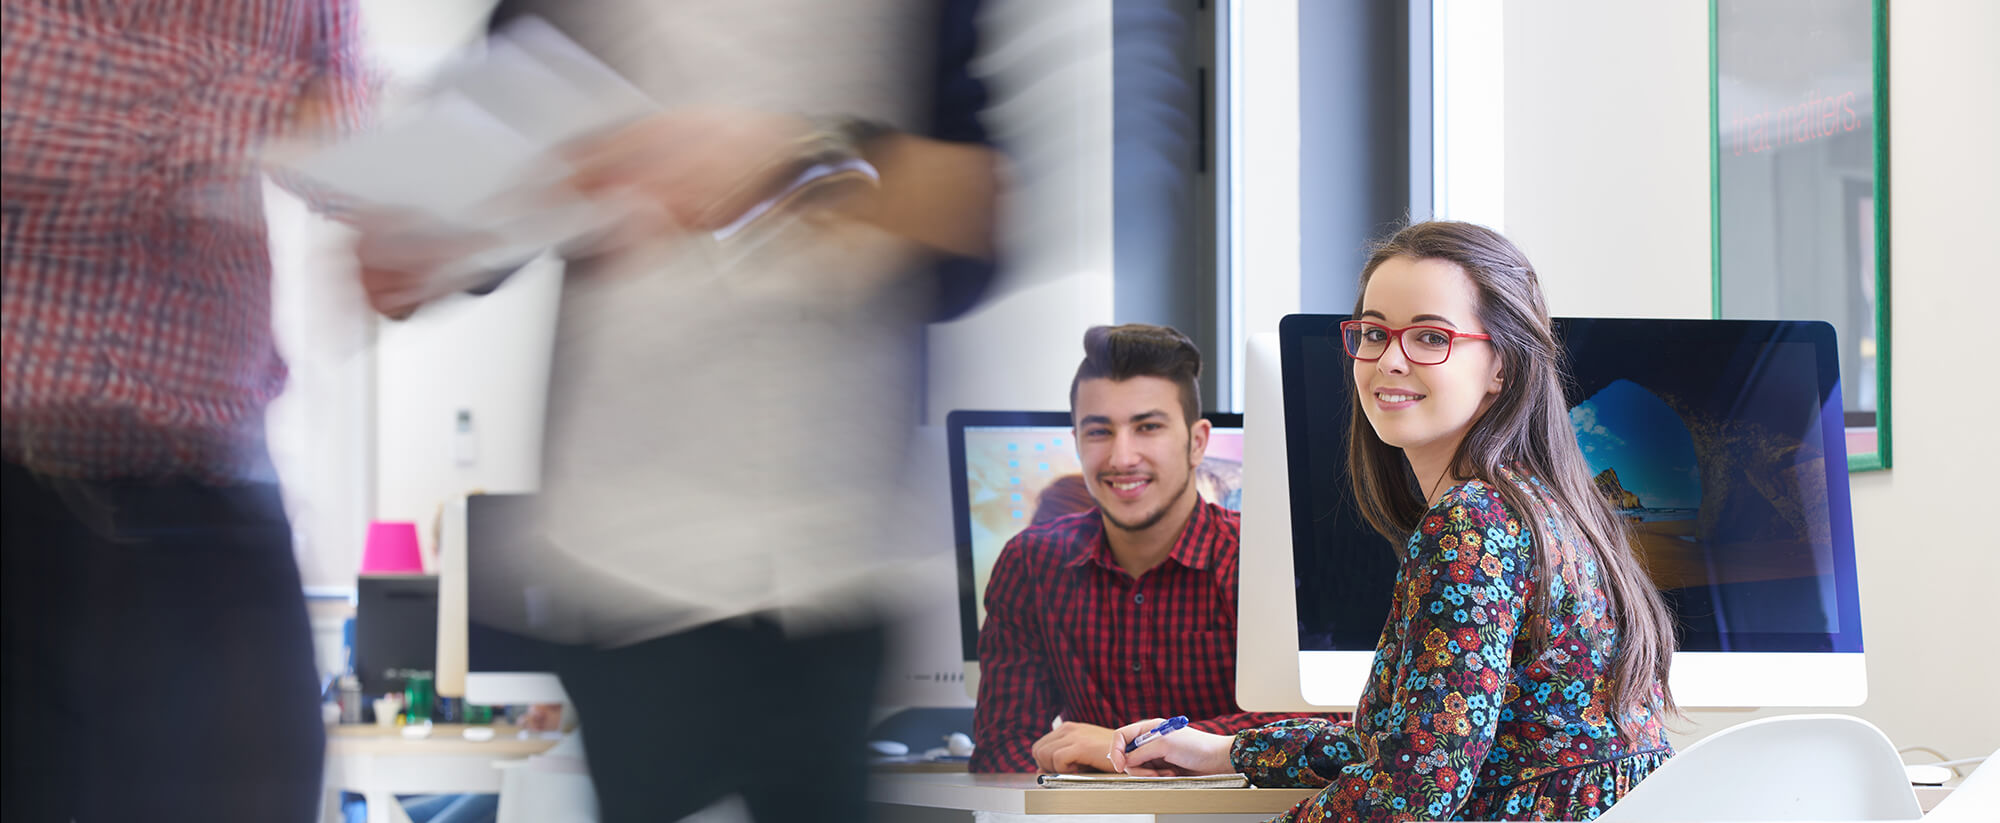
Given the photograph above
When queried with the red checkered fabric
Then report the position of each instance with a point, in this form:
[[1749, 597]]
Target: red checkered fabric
[[1070, 633], [137, 335]]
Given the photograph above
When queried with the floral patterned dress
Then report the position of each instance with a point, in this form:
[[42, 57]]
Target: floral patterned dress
[[1464, 718]]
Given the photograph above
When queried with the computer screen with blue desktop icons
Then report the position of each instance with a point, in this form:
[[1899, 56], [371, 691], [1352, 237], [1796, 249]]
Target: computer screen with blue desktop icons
[[1013, 469], [1720, 443]]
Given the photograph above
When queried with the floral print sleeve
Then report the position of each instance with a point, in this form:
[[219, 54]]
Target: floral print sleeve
[[1434, 697]]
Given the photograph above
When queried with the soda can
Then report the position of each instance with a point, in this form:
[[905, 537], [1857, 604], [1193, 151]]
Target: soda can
[[419, 696]]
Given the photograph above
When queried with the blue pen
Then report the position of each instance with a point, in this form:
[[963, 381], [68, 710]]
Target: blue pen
[[1169, 725]]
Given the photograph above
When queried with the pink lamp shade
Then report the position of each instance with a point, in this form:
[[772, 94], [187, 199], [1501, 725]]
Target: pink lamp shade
[[391, 549]]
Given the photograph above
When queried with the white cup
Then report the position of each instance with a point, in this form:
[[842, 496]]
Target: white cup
[[386, 711]]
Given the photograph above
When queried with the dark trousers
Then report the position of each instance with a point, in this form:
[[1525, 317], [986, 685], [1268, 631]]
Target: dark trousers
[[674, 724], [159, 664]]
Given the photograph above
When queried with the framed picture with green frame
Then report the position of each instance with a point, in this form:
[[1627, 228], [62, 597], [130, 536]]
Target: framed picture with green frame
[[1799, 175]]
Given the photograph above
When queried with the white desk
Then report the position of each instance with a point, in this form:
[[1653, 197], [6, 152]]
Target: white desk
[[379, 763]]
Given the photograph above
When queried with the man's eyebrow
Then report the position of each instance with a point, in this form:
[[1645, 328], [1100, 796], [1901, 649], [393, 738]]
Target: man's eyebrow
[[1105, 420]]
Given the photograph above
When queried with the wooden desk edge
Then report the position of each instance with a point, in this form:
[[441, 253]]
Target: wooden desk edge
[[445, 738], [1019, 794], [1929, 796]]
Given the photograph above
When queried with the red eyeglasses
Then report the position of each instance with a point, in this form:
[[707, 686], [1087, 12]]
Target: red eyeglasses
[[1422, 345]]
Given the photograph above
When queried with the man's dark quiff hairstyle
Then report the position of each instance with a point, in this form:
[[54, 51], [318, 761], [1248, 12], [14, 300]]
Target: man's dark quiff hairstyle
[[1140, 350]]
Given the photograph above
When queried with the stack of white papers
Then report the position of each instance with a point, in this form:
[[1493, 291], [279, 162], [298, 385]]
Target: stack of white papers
[[1127, 781], [481, 152]]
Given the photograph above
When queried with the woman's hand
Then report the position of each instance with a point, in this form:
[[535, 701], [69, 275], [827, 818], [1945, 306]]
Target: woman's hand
[[1186, 751]]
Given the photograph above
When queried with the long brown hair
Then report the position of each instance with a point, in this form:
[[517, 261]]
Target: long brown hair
[[1526, 428]]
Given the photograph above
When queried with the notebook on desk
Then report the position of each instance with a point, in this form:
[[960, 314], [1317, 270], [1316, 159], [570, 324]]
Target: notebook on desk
[[1128, 781]]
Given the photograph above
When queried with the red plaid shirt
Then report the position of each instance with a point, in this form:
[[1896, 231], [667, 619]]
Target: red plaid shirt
[[1070, 633], [137, 333]]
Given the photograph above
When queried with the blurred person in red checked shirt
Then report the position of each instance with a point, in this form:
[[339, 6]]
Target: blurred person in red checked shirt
[[1126, 610], [158, 659]]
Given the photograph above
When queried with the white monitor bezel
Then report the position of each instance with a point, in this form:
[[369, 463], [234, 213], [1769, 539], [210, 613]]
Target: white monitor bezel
[[454, 679], [513, 688], [1268, 675], [1699, 679]]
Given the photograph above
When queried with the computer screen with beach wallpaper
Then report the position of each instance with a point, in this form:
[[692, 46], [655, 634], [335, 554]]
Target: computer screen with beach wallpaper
[[1013, 469], [1719, 442]]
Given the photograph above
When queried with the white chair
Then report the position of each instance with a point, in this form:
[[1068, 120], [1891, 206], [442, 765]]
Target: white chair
[[551, 787], [1821, 767]]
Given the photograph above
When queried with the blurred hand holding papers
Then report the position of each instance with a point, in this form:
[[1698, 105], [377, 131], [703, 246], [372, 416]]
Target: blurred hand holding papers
[[480, 155], [1127, 781]]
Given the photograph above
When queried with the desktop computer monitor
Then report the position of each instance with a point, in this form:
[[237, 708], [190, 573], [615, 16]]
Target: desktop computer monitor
[[395, 616], [1720, 441], [1013, 469], [477, 659]]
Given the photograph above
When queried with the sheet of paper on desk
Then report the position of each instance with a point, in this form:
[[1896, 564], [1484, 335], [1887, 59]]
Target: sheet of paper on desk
[[481, 152], [1127, 781]]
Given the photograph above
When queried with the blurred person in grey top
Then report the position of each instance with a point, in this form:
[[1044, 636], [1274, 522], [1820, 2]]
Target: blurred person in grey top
[[728, 422]]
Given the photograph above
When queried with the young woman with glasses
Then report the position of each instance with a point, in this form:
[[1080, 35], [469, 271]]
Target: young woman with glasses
[[1522, 671]]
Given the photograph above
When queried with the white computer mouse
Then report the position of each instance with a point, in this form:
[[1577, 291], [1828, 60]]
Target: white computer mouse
[[417, 731], [478, 734], [958, 744], [1924, 774], [888, 748]]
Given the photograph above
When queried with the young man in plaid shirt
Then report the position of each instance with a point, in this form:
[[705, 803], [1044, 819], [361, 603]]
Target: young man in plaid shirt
[[1128, 610], [159, 665]]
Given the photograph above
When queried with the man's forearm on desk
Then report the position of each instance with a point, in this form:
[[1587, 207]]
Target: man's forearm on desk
[[1006, 723], [1005, 752]]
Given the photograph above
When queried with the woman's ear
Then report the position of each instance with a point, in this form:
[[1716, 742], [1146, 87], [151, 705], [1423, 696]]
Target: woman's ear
[[1499, 378]]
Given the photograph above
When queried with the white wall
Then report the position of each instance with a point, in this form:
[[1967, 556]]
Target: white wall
[[486, 355], [1607, 154], [1267, 171], [1470, 111], [1608, 191]]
